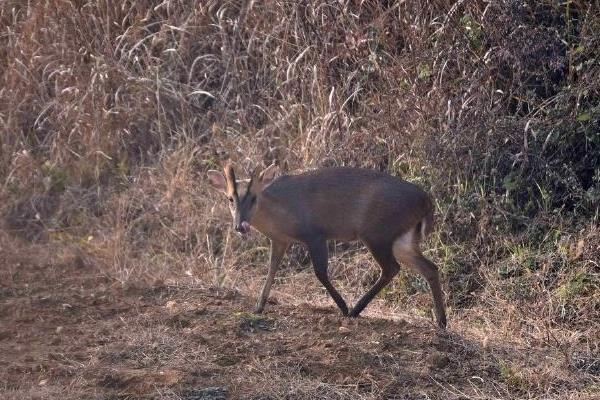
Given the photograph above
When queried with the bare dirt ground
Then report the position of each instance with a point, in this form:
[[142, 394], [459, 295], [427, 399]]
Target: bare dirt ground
[[68, 331]]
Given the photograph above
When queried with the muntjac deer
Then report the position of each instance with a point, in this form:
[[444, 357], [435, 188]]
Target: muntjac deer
[[389, 215]]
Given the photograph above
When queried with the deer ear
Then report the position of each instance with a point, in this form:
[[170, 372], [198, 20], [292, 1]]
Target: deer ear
[[268, 175], [217, 180]]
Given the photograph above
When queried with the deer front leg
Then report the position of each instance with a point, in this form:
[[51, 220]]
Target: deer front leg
[[278, 249], [318, 253]]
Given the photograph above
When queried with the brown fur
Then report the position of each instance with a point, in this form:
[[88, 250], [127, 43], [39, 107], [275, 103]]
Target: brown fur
[[389, 215], [340, 203]]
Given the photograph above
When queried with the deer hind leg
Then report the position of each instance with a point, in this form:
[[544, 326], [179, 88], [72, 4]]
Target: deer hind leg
[[406, 251], [389, 268]]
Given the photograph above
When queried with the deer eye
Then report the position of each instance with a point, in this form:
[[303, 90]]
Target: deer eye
[[231, 199]]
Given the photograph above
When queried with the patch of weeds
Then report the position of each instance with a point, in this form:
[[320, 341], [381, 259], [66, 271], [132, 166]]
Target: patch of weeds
[[227, 360], [511, 376], [520, 289], [574, 294], [260, 254], [250, 323], [424, 71], [578, 285], [112, 381], [462, 289], [387, 292], [122, 168], [419, 284], [506, 270], [209, 393], [522, 258], [68, 238], [555, 268], [210, 162], [395, 290], [473, 31], [587, 363], [178, 321], [405, 283], [449, 256], [451, 267], [400, 168], [423, 312], [58, 178], [593, 388]]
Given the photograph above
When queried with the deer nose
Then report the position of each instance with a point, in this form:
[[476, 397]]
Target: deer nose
[[243, 227]]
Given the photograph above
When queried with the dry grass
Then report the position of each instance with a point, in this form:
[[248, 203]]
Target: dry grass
[[73, 332], [111, 113]]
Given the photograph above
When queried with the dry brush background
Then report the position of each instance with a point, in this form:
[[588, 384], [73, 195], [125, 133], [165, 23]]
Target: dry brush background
[[111, 112]]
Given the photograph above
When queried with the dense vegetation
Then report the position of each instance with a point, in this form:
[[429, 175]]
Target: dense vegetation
[[111, 112]]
